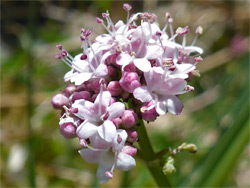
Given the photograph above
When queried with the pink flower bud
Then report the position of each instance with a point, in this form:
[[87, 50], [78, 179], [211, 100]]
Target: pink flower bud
[[127, 7], [69, 89], [112, 72], [99, 20], [68, 130], [130, 150], [129, 118], [117, 122], [148, 112], [129, 81], [81, 95], [59, 100], [59, 46], [114, 88], [132, 135]]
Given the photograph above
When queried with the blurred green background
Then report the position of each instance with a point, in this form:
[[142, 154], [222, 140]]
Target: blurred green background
[[215, 116]]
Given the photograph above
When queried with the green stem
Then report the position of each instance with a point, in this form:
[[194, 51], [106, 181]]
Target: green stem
[[148, 155]]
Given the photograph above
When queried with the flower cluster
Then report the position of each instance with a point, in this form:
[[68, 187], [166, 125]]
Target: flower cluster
[[134, 71]]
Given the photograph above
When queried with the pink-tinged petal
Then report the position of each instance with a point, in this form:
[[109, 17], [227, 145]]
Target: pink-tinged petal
[[174, 105], [107, 131], [154, 51], [86, 130], [97, 142], [116, 110], [101, 71], [173, 86], [85, 109], [154, 78], [161, 107], [105, 164], [119, 141], [80, 78], [123, 59], [142, 94], [104, 38], [125, 162], [90, 156], [190, 49], [103, 99], [142, 64]]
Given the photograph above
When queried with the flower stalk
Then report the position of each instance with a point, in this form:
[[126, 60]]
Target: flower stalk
[[148, 155]]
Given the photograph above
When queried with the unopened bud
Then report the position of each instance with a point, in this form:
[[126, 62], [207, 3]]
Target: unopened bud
[[169, 167], [68, 130], [99, 20], [59, 100], [129, 118], [114, 88], [127, 7], [130, 150], [192, 148]]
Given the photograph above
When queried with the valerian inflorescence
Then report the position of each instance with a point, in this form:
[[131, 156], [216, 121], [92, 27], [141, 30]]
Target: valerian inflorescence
[[134, 71]]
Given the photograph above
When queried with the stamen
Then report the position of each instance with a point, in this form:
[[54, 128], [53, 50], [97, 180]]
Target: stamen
[[170, 21], [101, 82], [198, 32], [158, 34], [130, 21]]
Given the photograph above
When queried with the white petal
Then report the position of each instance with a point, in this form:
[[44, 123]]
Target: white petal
[[116, 110], [154, 51], [80, 78], [85, 109], [142, 94], [123, 59], [86, 130], [174, 105], [125, 162], [123, 136], [101, 71], [143, 64], [161, 107], [103, 99], [107, 131], [105, 164], [190, 49], [90, 156]]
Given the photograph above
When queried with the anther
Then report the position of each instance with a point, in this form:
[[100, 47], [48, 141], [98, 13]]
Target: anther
[[99, 20], [109, 174], [127, 7], [83, 57], [59, 46], [119, 139], [199, 30], [182, 31]]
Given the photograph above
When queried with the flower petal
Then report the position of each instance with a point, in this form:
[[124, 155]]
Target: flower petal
[[86, 130], [116, 110], [107, 131], [142, 94], [174, 105], [125, 162], [143, 64], [90, 156]]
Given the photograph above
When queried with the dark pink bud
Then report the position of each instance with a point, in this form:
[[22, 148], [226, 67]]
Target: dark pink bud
[[83, 57], [130, 150], [59, 100], [83, 142], [129, 81], [58, 56], [132, 135], [117, 122], [112, 72], [87, 32], [64, 53], [125, 95], [104, 15], [148, 111], [158, 34], [109, 174], [68, 130], [81, 95], [99, 20], [69, 89], [83, 38], [114, 88], [59, 46], [127, 7], [129, 118]]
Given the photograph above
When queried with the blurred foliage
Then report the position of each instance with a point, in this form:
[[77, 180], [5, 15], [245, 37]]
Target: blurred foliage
[[215, 117]]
